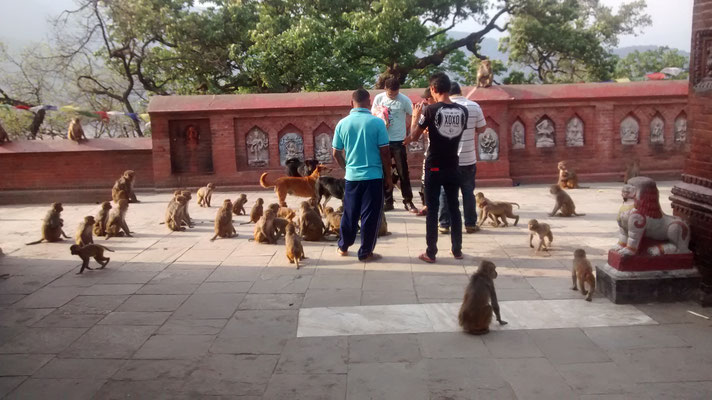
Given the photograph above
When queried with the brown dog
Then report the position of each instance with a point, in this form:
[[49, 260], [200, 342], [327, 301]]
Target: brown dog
[[297, 186]]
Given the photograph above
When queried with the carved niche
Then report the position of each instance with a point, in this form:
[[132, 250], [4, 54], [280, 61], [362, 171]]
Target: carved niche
[[657, 130], [681, 129], [257, 143], [701, 73], [291, 145], [488, 145], [518, 141], [630, 130], [545, 133], [190, 146], [574, 132], [322, 148]]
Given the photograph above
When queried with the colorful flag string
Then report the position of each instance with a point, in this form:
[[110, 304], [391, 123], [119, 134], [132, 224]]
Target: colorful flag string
[[103, 115]]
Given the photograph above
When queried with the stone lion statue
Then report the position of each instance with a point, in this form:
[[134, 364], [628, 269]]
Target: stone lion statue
[[484, 74], [644, 228]]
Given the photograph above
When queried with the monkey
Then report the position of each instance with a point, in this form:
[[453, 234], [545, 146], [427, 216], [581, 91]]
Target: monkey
[[265, 231], [75, 132], [102, 219], [315, 206], [117, 221], [238, 207], [583, 273], [205, 194], [223, 222], [311, 227], [286, 213], [88, 251], [3, 135], [333, 221], [274, 207], [52, 225], [173, 212], [126, 183], [632, 170], [184, 217], [280, 226], [484, 74], [383, 228], [293, 244], [84, 231], [256, 212], [480, 301], [543, 231], [564, 203], [568, 178], [495, 210]]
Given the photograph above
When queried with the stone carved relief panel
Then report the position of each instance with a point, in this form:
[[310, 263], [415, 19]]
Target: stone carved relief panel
[[657, 130], [322, 148], [488, 144], [545, 133], [574, 132], [518, 135], [629, 130], [257, 143], [681, 129], [291, 145]]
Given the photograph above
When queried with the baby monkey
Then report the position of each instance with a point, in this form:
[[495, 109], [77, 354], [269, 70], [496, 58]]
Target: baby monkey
[[582, 272], [256, 212], [238, 207], [480, 301], [543, 231], [205, 194], [89, 251], [293, 244], [84, 231]]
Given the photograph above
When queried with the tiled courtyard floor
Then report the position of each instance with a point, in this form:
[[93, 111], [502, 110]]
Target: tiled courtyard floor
[[177, 316]]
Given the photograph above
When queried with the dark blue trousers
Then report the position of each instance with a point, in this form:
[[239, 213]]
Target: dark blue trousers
[[364, 200]]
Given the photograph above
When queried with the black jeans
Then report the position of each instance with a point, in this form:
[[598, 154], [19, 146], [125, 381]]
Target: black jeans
[[449, 181], [467, 187], [399, 154]]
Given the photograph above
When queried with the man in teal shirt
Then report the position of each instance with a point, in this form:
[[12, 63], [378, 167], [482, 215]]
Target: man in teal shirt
[[361, 148]]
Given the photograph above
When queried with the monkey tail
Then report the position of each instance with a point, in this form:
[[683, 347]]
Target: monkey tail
[[104, 247], [36, 242], [214, 237], [296, 261], [579, 215], [263, 181]]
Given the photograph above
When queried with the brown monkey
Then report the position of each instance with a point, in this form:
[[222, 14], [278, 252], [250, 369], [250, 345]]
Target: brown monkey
[[3, 135], [52, 225], [265, 231], [126, 183], [286, 213], [223, 222], [102, 219], [564, 203], [173, 213], [280, 226], [543, 231], [484, 74], [238, 207], [480, 301], [293, 244], [583, 273], [274, 207], [311, 227], [333, 221], [314, 205], [495, 210], [632, 170], [184, 218], [88, 251], [75, 131], [383, 228], [205, 194], [83, 235], [567, 177], [256, 212], [117, 221]]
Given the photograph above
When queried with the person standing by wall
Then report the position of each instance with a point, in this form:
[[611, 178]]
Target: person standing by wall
[[399, 107], [428, 99], [445, 122], [468, 168], [360, 146]]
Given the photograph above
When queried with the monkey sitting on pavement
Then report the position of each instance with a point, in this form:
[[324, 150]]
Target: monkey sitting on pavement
[[88, 251], [184, 216], [582, 272], [564, 203], [205, 195], [333, 221], [173, 212], [495, 210], [293, 245], [102, 219], [84, 231], [311, 227], [265, 231], [238, 207], [52, 225], [543, 231], [568, 179], [126, 183], [256, 212], [480, 301], [117, 221], [223, 222]]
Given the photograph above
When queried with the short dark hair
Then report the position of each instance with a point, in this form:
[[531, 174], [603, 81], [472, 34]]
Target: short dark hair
[[392, 83], [455, 88], [440, 81], [360, 96], [427, 94]]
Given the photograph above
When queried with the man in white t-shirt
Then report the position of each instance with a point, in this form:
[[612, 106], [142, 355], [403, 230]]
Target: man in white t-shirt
[[467, 168], [399, 108]]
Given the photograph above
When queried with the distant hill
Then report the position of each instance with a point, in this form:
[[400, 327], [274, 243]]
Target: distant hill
[[624, 51]]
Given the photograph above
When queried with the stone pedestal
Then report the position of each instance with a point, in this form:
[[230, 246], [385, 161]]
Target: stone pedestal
[[635, 287]]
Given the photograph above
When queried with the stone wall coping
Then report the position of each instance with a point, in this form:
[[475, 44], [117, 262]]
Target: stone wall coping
[[68, 146]]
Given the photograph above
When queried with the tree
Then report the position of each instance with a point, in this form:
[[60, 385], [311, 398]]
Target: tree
[[570, 40], [473, 65], [637, 64]]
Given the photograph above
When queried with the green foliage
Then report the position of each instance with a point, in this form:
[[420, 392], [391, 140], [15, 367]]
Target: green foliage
[[637, 64], [473, 65]]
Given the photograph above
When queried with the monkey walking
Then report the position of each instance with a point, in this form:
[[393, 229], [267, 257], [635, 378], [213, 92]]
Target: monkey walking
[[543, 231], [480, 301], [84, 231], [52, 225], [256, 212], [564, 203], [495, 210], [582, 272], [205, 195], [88, 251], [293, 244]]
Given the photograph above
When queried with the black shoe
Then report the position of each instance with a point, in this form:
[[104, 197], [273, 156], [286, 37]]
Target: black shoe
[[388, 207]]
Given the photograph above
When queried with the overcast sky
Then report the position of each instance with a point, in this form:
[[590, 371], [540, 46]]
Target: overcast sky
[[25, 21]]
